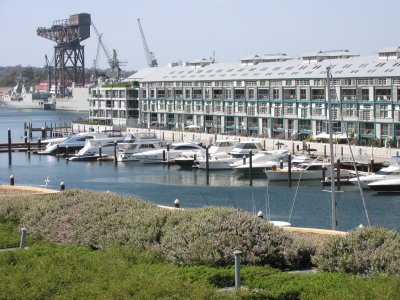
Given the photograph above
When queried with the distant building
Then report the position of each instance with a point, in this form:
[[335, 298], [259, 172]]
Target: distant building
[[277, 96]]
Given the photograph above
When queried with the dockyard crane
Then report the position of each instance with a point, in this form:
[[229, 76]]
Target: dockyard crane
[[49, 70], [95, 67], [112, 60], [151, 60], [69, 54]]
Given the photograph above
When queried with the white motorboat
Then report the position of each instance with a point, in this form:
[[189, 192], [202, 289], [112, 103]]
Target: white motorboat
[[390, 172], [218, 161], [217, 150], [261, 161], [222, 146], [188, 159], [387, 185], [244, 148], [156, 156], [304, 171], [138, 143], [91, 150], [71, 144]]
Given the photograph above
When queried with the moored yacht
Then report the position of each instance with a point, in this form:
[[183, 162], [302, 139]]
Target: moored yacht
[[139, 143], [390, 172], [305, 171], [157, 156], [71, 144], [387, 185], [91, 150], [244, 148], [261, 161]]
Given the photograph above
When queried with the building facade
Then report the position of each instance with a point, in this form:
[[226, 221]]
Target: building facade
[[115, 105], [276, 96]]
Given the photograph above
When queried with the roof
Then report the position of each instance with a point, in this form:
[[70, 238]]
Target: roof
[[357, 66], [389, 50]]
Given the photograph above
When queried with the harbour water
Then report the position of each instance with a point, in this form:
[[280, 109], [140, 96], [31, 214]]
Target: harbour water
[[162, 185]]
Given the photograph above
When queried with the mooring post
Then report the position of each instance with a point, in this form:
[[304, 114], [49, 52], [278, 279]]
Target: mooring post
[[337, 174], [100, 151], [163, 157], [66, 152], [39, 144], [207, 160], [237, 254], [372, 165], [260, 215], [168, 155], [115, 152], [251, 167], [23, 238], [62, 186], [290, 170], [12, 180], [58, 151], [9, 145], [324, 151], [177, 203]]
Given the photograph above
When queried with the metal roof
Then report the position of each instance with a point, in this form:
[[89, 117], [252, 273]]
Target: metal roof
[[357, 66]]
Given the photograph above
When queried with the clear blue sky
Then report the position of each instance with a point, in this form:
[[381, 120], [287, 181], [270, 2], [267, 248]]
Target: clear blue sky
[[189, 29]]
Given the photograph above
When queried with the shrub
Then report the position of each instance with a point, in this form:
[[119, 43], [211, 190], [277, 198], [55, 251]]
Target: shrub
[[203, 236], [211, 234], [364, 251]]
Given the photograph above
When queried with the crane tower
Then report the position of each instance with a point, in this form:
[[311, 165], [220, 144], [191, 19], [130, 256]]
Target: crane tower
[[151, 60], [69, 55]]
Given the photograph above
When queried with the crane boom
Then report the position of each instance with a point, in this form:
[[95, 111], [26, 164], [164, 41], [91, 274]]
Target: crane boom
[[151, 60], [111, 59]]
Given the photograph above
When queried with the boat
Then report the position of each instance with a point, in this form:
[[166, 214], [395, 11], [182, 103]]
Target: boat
[[91, 149], [77, 100], [188, 159], [198, 158], [261, 161], [390, 172], [166, 155], [387, 185], [244, 148], [19, 97], [70, 144], [138, 143], [305, 171]]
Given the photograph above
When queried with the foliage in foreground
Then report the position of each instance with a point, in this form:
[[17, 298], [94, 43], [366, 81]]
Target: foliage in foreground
[[364, 251], [48, 271], [188, 237]]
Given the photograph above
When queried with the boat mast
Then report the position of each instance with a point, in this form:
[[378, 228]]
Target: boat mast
[[333, 192]]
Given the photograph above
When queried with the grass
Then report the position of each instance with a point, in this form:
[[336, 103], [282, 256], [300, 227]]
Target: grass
[[128, 271]]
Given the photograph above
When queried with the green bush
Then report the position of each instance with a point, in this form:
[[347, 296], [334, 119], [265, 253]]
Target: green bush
[[203, 236], [364, 251], [210, 235]]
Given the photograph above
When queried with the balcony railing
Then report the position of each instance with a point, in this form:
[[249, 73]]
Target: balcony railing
[[367, 131], [383, 98]]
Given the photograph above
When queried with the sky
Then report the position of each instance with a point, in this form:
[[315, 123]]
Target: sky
[[184, 30]]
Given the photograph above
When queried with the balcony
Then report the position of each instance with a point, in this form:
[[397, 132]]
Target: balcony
[[367, 131], [383, 98], [232, 124]]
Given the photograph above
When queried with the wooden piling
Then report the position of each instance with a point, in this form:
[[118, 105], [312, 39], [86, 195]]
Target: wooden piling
[[290, 170], [337, 174], [251, 168]]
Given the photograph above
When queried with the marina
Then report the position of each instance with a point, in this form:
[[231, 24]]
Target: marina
[[162, 184]]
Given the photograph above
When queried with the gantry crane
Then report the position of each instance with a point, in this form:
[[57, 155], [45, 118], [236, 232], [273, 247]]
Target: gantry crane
[[69, 54], [113, 61], [151, 60]]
